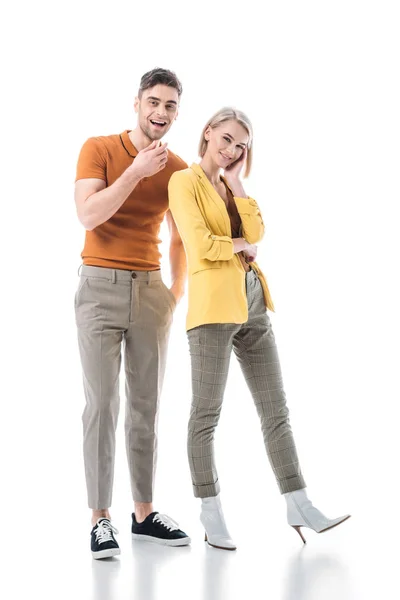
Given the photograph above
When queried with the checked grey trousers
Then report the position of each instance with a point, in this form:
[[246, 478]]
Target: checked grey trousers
[[254, 345], [133, 308]]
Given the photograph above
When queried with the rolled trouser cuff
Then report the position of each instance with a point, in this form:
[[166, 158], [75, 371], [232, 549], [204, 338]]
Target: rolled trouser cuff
[[206, 491], [292, 484]]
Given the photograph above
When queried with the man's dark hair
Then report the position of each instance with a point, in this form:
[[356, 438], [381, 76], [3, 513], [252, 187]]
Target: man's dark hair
[[159, 76]]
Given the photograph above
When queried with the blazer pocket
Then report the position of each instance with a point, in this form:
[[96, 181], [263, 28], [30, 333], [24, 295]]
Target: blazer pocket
[[205, 265]]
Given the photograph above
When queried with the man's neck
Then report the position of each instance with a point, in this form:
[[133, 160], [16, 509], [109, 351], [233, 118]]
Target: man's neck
[[139, 139]]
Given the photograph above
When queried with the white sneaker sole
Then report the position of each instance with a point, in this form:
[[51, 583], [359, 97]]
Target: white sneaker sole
[[154, 540], [106, 553]]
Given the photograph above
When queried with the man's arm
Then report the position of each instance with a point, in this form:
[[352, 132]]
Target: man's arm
[[96, 203], [177, 259]]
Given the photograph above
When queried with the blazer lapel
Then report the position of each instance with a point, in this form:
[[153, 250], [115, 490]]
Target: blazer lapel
[[219, 208]]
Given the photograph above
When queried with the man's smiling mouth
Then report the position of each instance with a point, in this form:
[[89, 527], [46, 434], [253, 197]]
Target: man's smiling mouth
[[158, 123]]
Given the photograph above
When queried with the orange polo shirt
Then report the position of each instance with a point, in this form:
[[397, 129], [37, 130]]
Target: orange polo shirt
[[130, 238]]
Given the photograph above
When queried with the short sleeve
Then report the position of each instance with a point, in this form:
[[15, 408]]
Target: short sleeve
[[92, 160]]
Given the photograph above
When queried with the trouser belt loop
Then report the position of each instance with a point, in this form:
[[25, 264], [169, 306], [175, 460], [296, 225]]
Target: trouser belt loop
[[113, 275]]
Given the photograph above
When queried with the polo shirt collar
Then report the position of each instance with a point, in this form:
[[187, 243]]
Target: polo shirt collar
[[127, 144]]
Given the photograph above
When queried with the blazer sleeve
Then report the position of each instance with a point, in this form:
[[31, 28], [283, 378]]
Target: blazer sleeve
[[190, 222], [252, 224]]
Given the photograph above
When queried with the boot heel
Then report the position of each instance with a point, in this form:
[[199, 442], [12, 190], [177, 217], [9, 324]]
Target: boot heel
[[301, 511], [205, 537], [298, 529]]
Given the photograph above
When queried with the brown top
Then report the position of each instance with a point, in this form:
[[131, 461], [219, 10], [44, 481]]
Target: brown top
[[129, 239], [236, 224]]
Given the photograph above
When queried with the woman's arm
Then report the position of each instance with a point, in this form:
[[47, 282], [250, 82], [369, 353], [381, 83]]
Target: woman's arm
[[191, 225], [252, 222]]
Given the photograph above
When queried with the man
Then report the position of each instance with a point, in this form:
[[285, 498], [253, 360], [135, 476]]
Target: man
[[121, 199]]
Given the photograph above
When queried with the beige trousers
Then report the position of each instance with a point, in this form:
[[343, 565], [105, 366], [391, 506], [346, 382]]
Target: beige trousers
[[115, 307]]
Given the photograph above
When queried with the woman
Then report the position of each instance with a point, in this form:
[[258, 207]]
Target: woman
[[228, 297]]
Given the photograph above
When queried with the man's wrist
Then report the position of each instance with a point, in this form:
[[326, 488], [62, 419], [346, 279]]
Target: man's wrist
[[133, 173], [178, 284], [178, 289]]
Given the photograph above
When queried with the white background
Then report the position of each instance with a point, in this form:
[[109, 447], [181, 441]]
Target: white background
[[320, 81]]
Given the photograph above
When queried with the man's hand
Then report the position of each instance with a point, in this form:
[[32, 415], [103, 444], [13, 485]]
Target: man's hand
[[150, 160], [177, 259]]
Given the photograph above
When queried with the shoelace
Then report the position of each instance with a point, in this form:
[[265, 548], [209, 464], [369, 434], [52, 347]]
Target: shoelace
[[104, 532], [166, 521]]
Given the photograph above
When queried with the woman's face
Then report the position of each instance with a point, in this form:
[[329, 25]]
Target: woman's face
[[226, 143]]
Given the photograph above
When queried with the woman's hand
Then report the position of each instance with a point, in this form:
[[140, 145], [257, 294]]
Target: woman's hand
[[250, 253], [232, 176], [232, 172], [249, 250]]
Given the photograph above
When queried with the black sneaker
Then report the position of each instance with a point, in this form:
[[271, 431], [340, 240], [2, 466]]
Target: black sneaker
[[103, 543], [159, 529]]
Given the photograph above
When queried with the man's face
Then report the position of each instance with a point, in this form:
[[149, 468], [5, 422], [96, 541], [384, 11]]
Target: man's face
[[157, 109]]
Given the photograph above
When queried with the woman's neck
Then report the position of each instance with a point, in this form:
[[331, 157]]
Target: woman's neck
[[211, 169]]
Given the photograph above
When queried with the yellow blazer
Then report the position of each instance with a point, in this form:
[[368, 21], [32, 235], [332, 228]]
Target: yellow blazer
[[217, 287]]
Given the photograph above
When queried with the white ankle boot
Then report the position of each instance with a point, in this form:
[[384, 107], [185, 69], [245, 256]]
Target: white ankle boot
[[213, 521], [301, 513]]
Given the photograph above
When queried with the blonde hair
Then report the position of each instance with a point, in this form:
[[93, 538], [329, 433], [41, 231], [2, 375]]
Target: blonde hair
[[230, 114]]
